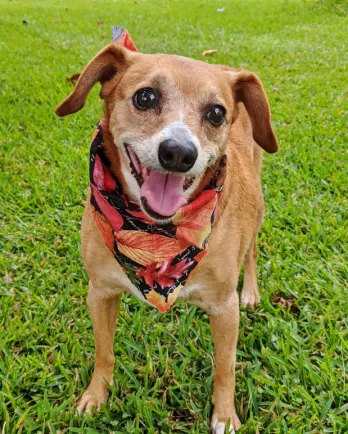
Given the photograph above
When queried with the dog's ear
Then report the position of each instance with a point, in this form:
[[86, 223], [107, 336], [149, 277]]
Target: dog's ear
[[248, 89], [109, 62]]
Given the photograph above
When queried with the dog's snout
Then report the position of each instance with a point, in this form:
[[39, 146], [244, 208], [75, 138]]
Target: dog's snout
[[177, 157]]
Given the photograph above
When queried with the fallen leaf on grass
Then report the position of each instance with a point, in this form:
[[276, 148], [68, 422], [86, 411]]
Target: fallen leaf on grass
[[100, 22], [7, 278], [287, 303], [194, 414], [73, 79], [208, 52]]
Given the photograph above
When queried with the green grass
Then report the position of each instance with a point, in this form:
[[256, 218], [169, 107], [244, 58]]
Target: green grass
[[292, 364]]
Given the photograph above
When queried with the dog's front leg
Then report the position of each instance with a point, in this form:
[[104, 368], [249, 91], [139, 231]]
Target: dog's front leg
[[224, 326], [104, 311]]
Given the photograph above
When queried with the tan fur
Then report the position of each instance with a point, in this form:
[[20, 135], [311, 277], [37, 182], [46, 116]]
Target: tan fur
[[188, 85]]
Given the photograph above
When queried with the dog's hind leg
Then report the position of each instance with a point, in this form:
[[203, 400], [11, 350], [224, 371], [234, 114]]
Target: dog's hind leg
[[104, 310], [250, 295]]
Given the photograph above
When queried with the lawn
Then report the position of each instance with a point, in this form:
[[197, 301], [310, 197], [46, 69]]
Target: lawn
[[292, 371]]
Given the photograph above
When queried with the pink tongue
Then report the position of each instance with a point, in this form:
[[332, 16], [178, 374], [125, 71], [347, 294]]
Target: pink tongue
[[163, 192]]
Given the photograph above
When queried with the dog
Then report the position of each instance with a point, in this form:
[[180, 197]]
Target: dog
[[170, 125]]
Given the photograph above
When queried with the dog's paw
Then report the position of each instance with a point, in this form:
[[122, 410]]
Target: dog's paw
[[220, 427], [91, 401], [249, 298]]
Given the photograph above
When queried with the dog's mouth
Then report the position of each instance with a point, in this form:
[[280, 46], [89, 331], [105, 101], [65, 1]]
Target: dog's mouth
[[162, 194]]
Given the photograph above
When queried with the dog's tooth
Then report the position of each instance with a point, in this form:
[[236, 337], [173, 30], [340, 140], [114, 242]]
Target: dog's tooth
[[145, 173]]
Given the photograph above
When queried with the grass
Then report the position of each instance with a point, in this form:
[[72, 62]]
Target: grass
[[292, 362]]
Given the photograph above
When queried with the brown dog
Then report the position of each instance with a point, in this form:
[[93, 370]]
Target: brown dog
[[179, 117]]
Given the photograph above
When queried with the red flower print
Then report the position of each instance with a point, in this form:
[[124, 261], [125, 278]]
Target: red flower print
[[194, 220], [104, 227], [166, 273], [102, 177], [110, 213]]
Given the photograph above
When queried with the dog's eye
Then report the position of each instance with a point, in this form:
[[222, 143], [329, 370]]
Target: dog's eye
[[145, 99], [216, 115]]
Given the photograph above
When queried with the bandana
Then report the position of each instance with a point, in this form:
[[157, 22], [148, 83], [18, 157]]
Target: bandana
[[157, 258]]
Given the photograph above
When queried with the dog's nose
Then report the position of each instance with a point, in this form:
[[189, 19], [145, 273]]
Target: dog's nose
[[177, 157]]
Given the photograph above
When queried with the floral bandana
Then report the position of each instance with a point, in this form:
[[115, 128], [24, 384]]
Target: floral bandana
[[157, 258]]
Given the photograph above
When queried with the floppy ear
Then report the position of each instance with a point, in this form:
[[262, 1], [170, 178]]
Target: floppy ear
[[248, 89], [106, 64]]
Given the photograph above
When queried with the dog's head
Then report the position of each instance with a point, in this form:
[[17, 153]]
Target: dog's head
[[169, 118]]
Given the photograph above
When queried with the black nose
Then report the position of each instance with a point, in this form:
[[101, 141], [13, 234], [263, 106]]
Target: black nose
[[177, 157]]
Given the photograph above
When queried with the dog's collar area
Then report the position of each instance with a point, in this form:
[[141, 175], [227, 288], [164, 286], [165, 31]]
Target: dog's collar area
[[157, 258]]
